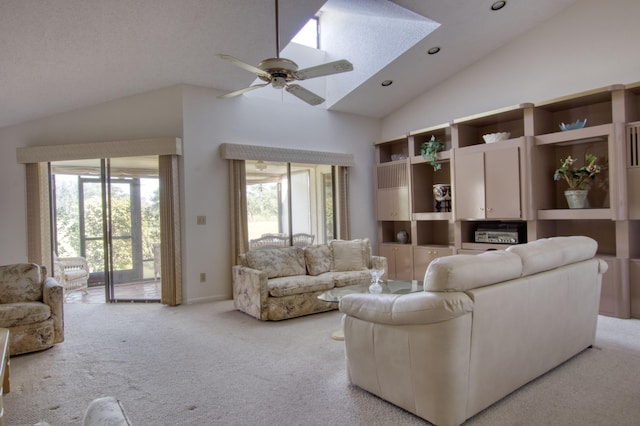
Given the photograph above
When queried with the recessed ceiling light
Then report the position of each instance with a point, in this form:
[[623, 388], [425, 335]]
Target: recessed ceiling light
[[386, 83], [433, 50], [498, 5]]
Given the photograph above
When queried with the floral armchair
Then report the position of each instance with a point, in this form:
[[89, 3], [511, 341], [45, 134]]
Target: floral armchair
[[31, 307]]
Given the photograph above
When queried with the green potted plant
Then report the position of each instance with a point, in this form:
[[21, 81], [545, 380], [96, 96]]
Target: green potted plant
[[429, 151], [578, 178]]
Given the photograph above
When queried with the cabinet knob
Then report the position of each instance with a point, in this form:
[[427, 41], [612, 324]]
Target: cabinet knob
[[489, 209], [481, 209]]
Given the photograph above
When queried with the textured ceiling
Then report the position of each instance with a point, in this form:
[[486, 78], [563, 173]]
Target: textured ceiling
[[67, 54]]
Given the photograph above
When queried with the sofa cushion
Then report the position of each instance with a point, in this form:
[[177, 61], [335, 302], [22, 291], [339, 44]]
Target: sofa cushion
[[549, 253], [21, 282], [350, 255], [298, 284], [318, 259], [278, 262], [463, 272], [349, 278], [13, 314]]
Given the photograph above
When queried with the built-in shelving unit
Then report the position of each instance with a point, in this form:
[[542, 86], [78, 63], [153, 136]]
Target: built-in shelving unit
[[510, 183]]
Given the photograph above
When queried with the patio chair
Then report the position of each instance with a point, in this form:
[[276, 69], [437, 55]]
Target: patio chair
[[72, 273], [303, 240], [268, 241]]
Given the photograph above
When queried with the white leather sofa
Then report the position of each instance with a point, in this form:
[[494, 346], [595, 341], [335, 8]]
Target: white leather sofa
[[281, 283], [484, 326]]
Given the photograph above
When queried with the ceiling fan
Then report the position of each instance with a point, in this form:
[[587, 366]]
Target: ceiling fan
[[280, 72]]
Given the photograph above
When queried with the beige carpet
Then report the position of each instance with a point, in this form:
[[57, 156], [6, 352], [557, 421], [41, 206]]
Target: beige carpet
[[206, 364]]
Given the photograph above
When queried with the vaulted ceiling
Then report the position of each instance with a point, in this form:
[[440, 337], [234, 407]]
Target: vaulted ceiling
[[61, 55]]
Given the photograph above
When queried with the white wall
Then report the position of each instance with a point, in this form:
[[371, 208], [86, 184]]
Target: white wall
[[209, 121], [590, 45], [203, 122]]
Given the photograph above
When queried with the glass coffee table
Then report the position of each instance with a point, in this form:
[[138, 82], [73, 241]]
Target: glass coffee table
[[390, 287]]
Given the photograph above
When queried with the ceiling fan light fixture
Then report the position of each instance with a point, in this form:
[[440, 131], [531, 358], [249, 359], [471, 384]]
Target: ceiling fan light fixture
[[386, 83], [498, 5], [433, 50]]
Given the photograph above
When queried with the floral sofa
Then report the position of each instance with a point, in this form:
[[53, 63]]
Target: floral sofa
[[31, 307], [281, 283]]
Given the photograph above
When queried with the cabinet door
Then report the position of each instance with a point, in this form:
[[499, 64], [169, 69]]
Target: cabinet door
[[404, 262], [393, 204], [393, 192], [502, 184], [399, 261], [423, 256], [469, 186], [387, 250]]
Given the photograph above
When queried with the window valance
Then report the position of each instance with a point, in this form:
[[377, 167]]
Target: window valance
[[109, 149], [230, 151]]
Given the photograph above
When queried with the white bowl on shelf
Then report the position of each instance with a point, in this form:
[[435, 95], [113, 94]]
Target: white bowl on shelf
[[578, 124], [496, 137]]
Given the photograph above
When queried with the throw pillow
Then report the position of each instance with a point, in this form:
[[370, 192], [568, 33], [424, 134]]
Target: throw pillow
[[318, 259], [278, 262], [350, 255], [21, 282]]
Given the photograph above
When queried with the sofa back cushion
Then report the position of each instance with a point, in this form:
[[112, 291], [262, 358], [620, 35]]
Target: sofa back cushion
[[318, 259], [550, 253], [463, 272], [277, 262], [21, 282], [350, 255]]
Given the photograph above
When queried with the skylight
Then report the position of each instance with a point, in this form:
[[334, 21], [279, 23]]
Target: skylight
[[368, 33], [308, 35]]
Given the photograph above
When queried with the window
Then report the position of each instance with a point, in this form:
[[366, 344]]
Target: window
[[300, 181], [289, 203]]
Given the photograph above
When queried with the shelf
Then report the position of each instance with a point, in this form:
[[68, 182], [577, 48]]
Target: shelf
[[574, 214], [584, 135], [442, 156], [469, 130], [392, 148], [483, 147], [436, 246], [448, 216], [442, 132]]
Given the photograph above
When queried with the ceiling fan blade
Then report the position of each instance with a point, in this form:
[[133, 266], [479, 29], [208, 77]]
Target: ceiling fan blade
[[304, 94], [325, 69], [237, 62], [241, 91]]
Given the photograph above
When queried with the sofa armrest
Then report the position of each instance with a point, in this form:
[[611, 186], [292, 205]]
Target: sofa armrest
[[406, 309], [53, 295], [250, 291], [380, 262]]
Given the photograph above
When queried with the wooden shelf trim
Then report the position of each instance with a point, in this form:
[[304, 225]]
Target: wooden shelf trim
[[432, 216], [577, 136], [574, 214]]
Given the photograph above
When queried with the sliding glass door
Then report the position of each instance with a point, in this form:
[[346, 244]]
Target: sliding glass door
[[118, 226]]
